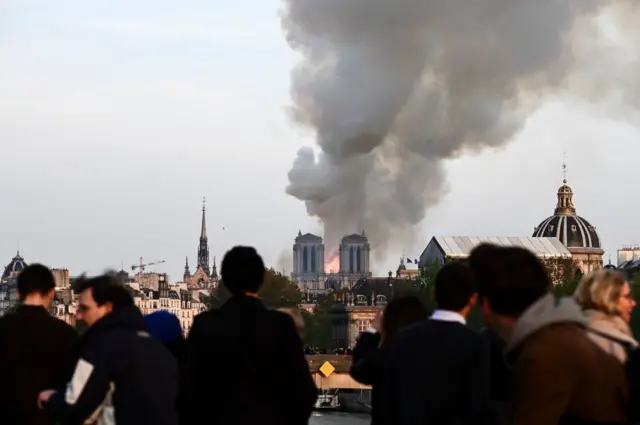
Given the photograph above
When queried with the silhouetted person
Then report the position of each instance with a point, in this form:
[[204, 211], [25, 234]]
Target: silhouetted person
[[560, 376], [371, 351], [123, 376], [246, 364], [36, 350], [438, 370]]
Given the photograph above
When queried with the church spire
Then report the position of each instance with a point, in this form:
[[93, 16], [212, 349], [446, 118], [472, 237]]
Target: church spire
[[565, 204], [214, 270], [187, 272], [203, 230], [203, 247]]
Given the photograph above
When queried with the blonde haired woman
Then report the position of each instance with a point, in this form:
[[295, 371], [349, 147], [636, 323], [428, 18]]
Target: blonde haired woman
[[606, 300]]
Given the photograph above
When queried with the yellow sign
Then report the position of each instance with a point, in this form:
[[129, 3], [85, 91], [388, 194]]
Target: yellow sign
[[327, 369]]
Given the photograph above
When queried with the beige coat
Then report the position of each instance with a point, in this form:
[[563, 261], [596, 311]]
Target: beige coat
[[610, 325]]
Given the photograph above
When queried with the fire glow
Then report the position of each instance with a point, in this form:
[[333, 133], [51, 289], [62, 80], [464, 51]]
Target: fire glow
[[333, 264]]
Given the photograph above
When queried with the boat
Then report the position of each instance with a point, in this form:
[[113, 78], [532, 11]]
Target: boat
[[327, 400]]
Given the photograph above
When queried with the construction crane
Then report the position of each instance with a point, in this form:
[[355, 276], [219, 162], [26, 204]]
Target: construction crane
[[142, 265]]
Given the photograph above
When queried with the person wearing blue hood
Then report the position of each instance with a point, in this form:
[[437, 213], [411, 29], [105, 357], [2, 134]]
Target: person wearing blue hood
[[165, 327]]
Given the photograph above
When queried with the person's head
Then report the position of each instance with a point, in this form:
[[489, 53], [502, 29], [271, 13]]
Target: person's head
[[400, 312], [164, 326], [242, 270], [454, 289], [296, 316], [508, 280], [606, 291], [36, 285], [100, 296]]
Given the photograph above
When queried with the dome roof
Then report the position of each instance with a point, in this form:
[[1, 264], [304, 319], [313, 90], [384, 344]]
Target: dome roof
[[16, 265], [571, 229]]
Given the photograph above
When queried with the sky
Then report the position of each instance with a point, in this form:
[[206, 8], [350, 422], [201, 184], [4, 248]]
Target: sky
[[118, 117]]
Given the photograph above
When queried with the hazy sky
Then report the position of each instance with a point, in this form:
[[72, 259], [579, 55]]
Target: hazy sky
[[117, 117]]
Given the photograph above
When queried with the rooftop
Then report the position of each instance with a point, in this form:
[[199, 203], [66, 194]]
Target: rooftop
[[461, 246]]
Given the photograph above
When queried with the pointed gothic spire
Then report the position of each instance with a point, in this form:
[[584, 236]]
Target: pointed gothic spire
[[203, 230], [203, 246], [214, 269]]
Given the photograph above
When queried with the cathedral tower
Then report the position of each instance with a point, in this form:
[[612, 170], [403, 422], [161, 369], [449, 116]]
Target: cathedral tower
[[354, 254]]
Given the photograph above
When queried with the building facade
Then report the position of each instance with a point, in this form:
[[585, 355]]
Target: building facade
[[357, 308], [8, 282], [314, 273]]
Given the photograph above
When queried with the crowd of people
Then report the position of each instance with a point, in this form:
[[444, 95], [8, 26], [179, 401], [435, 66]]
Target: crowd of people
[[541, 360]]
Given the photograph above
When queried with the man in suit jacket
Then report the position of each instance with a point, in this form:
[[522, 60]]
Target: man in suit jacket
[[438, 370], [245, 364]]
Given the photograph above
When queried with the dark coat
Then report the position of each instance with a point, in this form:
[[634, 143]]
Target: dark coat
[[368, 368], [438, 373], [245, 365], [36, 353], [124, 372]]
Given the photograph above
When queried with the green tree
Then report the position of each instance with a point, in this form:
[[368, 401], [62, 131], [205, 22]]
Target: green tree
[[278, 291]]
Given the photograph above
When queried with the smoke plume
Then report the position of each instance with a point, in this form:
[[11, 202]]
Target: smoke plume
[[392, 88]]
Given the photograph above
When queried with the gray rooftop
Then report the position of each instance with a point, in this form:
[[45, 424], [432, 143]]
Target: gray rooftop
[[461, 246]]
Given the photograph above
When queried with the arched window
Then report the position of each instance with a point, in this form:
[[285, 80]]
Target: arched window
[[359, 259], [351, 260], [361, 300], [305, 260], [313, 259], [381, 300]]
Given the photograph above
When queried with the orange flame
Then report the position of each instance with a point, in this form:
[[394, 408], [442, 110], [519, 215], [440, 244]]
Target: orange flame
[[332, 265]]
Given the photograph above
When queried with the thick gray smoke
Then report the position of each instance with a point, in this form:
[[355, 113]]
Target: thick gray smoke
[[392, 88]]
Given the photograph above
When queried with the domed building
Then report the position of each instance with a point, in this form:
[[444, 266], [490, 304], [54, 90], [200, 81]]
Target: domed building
[[16, 265], [575, 232]]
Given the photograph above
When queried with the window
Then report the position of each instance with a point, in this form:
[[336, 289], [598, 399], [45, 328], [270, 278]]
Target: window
[[363, 325], [361, 300], [381, 300], [573, 228]]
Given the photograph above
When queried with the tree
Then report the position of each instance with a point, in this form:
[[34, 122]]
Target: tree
[[276, 291]]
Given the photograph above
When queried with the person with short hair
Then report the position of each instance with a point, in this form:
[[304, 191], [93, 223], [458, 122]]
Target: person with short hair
[[606, 300], [559, 375], [245, 364], [123, 375], [37, 349], [438, 369]]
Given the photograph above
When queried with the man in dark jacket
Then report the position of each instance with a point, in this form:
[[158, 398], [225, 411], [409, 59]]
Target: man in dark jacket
[[438, 370], [37, 350], [123, 375], [245, 364]]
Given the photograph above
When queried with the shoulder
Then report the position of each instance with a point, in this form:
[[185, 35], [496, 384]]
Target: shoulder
[[560, 342]]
